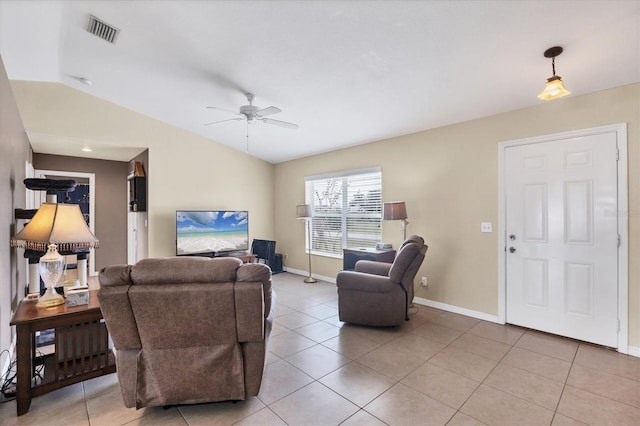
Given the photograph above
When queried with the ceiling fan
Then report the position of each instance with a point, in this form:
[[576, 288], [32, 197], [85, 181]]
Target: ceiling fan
[[252, 113]]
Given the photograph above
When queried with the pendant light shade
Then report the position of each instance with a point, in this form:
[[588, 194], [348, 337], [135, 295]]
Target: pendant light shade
[[554, 88]]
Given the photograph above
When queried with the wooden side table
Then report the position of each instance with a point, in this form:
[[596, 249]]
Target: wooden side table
[[81, 347]]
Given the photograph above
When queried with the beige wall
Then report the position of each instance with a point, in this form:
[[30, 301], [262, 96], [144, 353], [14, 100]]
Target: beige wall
[[449, 180], [202, 175], [110, 201], [15, 151], [447, 176], [185, 171]]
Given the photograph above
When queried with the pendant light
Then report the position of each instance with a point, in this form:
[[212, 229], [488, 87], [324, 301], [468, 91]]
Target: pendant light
[[554, 88]]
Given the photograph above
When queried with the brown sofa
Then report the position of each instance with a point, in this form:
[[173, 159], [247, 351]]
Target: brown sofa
[[188, 330], [378, 293]]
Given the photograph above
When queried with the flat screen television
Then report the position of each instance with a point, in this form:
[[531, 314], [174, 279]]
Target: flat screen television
[[211, 232]]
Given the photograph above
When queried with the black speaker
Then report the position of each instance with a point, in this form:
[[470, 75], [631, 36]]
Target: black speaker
[[276, 266]]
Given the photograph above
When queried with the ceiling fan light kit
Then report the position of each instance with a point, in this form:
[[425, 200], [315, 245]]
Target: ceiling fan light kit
[[554, 87]]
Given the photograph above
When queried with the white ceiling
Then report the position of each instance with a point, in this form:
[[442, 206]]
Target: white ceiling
[[348, 72]]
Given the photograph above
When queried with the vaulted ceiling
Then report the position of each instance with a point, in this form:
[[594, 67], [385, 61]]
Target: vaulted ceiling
[[347, 72]]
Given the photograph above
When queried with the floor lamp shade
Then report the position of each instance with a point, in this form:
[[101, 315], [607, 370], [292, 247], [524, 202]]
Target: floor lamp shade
[[303, 211], [54, 227], [396, 210]]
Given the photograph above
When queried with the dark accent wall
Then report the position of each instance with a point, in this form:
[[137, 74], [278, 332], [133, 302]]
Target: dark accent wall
[[110, 197], [15, 152]]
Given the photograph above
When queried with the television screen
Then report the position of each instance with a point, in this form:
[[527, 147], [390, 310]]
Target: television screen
[[211, 232]]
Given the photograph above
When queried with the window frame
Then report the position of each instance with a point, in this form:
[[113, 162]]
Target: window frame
[[345, 214]]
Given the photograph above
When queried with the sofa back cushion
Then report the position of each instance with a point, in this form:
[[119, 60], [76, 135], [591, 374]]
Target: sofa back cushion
[[180, 270], [405, 257]]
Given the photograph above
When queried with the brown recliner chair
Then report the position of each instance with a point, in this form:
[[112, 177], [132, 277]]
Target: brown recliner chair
[[188, 330], [377, 293]]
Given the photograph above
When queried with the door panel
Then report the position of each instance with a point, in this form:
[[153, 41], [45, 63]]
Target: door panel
[[535, 212], [561, 257], [578, 212], [536, 284]]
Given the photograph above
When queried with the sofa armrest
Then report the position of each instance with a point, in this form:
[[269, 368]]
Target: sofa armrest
[[257, 272], [115, 275], [352, 280], [113, 294], [250, 311], [118, 315], [373, 267]]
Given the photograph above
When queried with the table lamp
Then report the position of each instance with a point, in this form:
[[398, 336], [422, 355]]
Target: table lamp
[[53, 227], [396, 210], [304, 212]]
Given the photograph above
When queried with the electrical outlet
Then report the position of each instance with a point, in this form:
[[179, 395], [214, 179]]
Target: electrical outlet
[[285, 256], [423, 281], [486, 227]]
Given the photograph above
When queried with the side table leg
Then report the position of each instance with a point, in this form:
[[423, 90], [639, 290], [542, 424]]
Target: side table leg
[[24, 365]]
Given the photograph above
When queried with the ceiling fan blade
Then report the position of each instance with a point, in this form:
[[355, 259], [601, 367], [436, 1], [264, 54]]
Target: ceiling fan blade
[[225, 110], [280, 123], [267, 111], [222, 121]]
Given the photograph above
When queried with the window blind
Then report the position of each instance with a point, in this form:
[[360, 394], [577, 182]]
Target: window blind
[[347, 210]]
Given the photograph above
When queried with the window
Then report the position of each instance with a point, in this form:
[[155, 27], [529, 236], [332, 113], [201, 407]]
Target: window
[[347, 210]]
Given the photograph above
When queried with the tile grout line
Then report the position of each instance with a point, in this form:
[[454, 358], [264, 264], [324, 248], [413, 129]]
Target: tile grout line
[[483, 380], [564, 386]]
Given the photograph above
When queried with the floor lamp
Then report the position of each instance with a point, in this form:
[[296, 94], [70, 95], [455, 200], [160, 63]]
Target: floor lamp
[[304, 212], [396, 210]]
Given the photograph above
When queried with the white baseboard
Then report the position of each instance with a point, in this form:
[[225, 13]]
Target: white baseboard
[[306, 274], [634, 351], [456, 309]]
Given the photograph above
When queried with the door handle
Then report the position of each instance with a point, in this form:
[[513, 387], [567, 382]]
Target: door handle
[[512, 249], [512, 237]]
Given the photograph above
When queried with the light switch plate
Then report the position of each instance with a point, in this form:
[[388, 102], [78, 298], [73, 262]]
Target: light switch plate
[[486, 227]]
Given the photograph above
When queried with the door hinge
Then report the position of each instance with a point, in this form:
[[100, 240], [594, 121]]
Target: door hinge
[[617, 154], [618, 324], [619, 241]]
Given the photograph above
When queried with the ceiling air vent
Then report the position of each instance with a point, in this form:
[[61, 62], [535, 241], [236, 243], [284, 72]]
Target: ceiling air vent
[[102, 29]]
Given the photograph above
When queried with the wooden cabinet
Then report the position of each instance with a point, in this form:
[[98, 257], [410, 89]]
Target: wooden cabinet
[[351, 255]]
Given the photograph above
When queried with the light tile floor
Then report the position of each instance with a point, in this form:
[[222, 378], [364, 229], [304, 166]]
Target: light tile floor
[[438, 368]]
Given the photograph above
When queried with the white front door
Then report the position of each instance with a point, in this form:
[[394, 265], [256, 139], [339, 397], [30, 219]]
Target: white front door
[[562, 237]]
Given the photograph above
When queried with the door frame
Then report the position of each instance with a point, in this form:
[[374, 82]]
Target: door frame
[[39, 173], [623, 230]]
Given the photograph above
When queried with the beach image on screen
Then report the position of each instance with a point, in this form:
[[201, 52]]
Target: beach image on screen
[[211, 231]]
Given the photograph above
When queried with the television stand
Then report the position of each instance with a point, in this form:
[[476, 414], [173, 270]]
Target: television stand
[[242, 255]]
